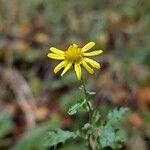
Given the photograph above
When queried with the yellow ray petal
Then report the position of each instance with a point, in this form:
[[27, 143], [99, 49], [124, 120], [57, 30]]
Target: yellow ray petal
[[57, 51], [55, 56], [92, 63], [88, 46], [60, 66], [77, 69], [75, 45], [67, 67], [87, 67], [94, 53]]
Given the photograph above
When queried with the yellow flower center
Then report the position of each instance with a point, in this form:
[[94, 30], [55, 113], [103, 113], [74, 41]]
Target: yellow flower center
[[74, 54]]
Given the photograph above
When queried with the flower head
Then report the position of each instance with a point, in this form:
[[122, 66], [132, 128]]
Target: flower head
[[75, 56]]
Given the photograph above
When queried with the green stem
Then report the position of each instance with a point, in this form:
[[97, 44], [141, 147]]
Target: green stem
[[90, 111], [87, 101]]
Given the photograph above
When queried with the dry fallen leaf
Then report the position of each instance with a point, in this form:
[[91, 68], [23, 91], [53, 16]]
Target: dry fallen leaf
[[41, 113], [143, 94], [136, 120]]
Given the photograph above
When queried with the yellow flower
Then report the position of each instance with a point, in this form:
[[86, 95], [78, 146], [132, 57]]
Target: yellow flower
[[75, 56]]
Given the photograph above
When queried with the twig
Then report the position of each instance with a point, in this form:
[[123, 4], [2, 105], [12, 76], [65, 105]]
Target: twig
[[22, 91]]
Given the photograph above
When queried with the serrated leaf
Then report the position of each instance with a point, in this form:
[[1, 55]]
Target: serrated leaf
[[116, 116], [111, 137], [58, 136], [73, 110]]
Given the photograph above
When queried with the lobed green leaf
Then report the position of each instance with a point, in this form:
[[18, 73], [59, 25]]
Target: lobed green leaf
[[58, 136], [111, 134], [111, 137], [116, 116]]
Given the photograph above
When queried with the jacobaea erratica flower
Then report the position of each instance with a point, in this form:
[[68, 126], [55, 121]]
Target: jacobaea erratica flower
[[75, 56]]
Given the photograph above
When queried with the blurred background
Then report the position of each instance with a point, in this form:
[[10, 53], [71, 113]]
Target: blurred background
[[33, 100]]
